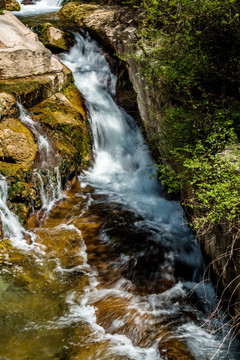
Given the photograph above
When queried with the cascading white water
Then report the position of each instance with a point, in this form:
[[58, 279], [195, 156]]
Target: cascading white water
[[52, 192], [47, 157], [39, 7], [122, 170], [123, 165], [11, 227], [47, 173]]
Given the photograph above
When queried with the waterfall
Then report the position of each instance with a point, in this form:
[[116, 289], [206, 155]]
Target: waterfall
[[38, 7], [122, 172], [47, 154], [50, 187], [11, 227], [123, 165], [47, 173]]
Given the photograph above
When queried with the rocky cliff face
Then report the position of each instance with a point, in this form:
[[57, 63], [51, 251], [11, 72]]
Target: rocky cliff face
[[115, 27], [29, 72]]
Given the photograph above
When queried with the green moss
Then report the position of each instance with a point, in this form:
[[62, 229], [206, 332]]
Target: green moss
[[33, 90], [46, 36], [23, 196], [12, 6], [77, 12], [64, 119]]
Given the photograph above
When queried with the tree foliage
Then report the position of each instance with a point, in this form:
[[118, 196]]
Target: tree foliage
[[190, 49]]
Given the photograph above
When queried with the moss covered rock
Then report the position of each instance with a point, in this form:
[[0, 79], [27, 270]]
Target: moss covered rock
[[54, 38], [12, 5], [64, 118], [32, 90]]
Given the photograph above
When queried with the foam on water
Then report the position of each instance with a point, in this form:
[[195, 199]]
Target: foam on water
[[47, 173], [39, 7], [11, 227], [122, 171], [46, 151], [123, 165]]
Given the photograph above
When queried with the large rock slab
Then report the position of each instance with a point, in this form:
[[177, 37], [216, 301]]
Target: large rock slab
[[21, 53]]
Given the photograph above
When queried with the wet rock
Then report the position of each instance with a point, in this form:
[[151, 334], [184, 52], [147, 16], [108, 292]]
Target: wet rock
[[54, 38], [145, 263], [28, 2], [64, 118], [173, 349], [8, 106]]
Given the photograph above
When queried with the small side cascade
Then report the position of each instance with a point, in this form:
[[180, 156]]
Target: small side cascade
[[50, 187], [46, 173], [47, 156], [11, 227]]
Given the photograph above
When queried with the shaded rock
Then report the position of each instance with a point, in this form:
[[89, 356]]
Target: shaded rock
[[146, 264], [1, 233], [174, 349], [2, 4], [7, 106], [21, 49], [54, 38]]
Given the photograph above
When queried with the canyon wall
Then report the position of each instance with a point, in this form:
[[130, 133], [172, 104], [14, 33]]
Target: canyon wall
[[116, 28]]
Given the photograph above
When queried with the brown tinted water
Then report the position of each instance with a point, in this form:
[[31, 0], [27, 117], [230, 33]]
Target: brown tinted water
[[41, 291]]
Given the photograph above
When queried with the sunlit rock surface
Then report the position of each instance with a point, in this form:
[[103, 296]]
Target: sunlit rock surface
[[54, 38], [22, 54], [8, 106], [17, 146]]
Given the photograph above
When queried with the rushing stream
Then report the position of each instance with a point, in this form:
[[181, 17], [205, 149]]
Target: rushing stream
[[113, 272]]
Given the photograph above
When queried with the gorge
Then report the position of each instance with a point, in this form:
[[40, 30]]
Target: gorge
[[106, 268]]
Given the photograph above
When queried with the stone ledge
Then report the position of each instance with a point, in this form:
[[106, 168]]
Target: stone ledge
[[32, 90]]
